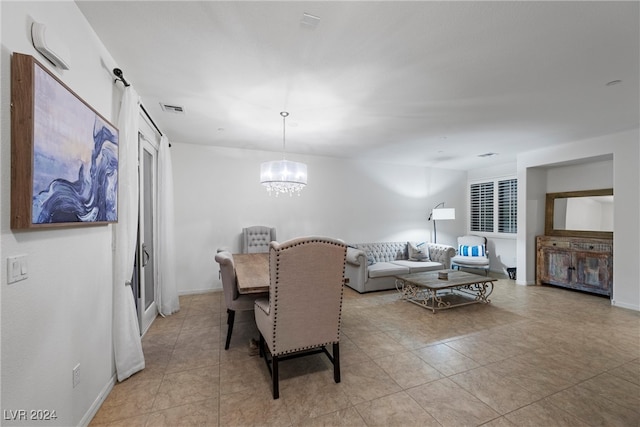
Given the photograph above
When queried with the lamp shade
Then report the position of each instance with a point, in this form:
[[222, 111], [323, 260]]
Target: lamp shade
[[283, 176], [443, 214]]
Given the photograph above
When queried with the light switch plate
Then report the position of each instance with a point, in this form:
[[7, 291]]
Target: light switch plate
[[17, 268]]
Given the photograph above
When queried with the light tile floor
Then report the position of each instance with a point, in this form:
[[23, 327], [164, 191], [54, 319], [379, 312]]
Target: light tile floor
[[535, 356]]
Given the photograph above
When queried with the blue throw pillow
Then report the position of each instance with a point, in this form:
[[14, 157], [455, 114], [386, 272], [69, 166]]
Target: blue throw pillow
[[472, 250]]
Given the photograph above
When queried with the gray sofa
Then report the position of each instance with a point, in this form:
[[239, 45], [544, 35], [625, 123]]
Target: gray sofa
[[372, 266]]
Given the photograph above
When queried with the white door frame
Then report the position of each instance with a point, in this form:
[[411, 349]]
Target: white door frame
[[147, 232]]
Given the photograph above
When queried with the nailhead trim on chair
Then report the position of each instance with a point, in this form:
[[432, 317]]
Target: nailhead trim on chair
[[275, 300]]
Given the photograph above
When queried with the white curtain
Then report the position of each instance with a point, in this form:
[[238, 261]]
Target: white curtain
[[126, 331], [167, 289]]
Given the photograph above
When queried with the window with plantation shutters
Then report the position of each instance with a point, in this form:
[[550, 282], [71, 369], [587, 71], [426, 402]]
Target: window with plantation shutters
[[481, 203], [507, 206], [493, 206]]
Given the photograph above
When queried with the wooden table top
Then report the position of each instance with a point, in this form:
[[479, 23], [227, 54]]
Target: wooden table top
[[429, 279], [252, 272]]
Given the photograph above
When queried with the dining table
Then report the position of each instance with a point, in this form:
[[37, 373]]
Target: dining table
[[252, 272]]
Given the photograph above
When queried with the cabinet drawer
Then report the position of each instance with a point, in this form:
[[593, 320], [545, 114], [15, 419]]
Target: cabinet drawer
[[562, 244], [595, 247]]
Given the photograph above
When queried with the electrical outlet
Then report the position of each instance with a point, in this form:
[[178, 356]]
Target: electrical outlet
[[76, 375]]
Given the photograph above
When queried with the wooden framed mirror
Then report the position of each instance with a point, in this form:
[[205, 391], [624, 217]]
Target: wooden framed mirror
[[586, 213]]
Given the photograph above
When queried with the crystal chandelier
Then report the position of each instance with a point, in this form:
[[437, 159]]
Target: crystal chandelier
[[283, 176]]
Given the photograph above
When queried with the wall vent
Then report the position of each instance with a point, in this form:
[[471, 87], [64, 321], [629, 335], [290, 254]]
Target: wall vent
[[176, 109], [50, 46]]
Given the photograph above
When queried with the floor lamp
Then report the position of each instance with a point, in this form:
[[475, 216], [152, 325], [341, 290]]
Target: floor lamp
[[440, 214]]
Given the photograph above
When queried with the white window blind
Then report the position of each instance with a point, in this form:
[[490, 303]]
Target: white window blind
[[481, 202], [508, 206]]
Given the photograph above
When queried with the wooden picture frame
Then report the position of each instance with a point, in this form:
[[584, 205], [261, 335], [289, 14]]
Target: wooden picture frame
[[549, 228], [64, 154]]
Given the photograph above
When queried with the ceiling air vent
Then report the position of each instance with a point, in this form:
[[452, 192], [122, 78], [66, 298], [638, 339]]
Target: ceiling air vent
[[309, 21], [176, 109], [487, 155]]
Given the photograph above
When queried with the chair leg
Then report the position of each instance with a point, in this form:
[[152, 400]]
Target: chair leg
[[261, 346], [231, 315], [274, 377], [336, 362]]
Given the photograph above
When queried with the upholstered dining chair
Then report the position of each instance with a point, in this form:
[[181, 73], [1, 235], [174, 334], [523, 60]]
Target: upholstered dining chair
[[256, 238], [303, 312], [234, 300], [472, 253]]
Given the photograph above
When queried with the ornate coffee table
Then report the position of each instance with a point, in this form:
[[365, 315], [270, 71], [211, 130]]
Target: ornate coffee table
[[429, 291]]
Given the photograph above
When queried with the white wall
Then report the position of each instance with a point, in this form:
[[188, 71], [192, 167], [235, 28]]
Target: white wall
[[594, 175], [61, 315], [502, 246], [622, 173], [217, 193]]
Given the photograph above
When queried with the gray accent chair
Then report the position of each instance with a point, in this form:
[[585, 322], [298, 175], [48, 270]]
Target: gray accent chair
[[234, 300], [465, 261], [302, 315], [255, 239]]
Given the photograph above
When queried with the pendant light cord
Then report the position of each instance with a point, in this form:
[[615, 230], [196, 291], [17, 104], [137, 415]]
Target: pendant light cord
[[284, 115]]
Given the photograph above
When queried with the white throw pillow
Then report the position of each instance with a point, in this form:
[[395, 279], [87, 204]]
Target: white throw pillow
[[418, 251]]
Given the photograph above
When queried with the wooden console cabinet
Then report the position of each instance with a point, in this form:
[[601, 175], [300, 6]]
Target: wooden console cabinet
[[579, 263]]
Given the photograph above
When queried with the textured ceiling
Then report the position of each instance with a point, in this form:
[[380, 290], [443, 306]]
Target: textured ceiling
[[422, 83]]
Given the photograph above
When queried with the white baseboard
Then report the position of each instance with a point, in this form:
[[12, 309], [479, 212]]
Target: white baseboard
[[199, 291], [625, 305], [93, 410]]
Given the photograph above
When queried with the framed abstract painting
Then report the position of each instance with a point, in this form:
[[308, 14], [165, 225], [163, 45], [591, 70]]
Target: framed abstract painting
[[64, 154]]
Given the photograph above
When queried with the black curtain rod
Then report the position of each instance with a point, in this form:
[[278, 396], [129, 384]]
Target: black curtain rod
[[144, 110], [120, 77]]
